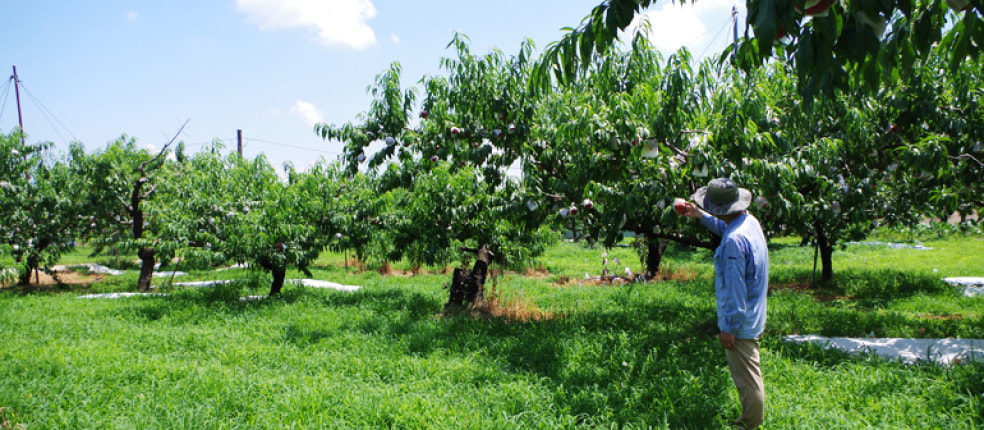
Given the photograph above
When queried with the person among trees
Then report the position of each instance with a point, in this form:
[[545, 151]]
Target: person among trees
[[741, 283]]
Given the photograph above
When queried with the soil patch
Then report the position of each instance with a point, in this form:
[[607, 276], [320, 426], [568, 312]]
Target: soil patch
[[539, 272], [43, 281], [942, 317]]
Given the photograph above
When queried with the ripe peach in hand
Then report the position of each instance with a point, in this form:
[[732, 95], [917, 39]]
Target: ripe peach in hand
[[680, 206]]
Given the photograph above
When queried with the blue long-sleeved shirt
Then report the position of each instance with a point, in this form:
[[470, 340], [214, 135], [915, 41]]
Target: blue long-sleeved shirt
[[741, 275]]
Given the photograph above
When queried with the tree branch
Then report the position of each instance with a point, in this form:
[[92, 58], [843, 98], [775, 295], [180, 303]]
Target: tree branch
[[143, 165], [149, 192], [686, 240], [979, 163]]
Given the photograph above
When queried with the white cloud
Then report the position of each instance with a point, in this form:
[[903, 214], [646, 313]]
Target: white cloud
[[674, 25], [132, 15], [394, 38], [337, 22], [308, 112]]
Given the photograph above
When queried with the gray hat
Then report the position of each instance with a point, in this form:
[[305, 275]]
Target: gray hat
[[722, 197]]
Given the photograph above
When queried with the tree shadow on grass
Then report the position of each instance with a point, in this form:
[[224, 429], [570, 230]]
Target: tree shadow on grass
[[193, 304], [632, 363], [858, 304], [873, 288], [628, 362]]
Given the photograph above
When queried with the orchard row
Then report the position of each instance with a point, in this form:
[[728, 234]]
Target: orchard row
[[430, 168]]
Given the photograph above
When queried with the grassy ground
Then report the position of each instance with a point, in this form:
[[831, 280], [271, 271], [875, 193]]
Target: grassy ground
[[629, 356]]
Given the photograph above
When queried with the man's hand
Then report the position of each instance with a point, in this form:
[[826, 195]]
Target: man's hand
[[727, 340], [687, 209]]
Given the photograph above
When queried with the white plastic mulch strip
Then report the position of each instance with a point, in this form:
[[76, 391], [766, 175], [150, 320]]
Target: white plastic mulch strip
[[909, 351], [893, 245], [314, 283], [103, 270], [120, 295], [201, 284], [163, 274], [235, 266], [972, 286]]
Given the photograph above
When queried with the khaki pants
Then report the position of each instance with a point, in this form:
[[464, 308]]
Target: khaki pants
[[743, 361]]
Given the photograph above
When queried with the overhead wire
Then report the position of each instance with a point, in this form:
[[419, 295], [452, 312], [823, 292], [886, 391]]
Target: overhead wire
[[721, 28], [6, 94], [48, 115], [290, 146]]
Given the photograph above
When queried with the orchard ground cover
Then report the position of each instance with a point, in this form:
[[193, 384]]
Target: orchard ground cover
[[629, 356]]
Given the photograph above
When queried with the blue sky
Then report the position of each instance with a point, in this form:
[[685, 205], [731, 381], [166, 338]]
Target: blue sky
[[94, 70]]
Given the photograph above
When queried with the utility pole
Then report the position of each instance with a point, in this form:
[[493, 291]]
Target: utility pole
[[239, 142], [20, 117], [734, 20]]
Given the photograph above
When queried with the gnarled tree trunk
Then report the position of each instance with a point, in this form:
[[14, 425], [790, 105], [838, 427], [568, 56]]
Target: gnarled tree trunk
[[279, 275], [468, 288], [655, 248], [826, 253], [147, 262]]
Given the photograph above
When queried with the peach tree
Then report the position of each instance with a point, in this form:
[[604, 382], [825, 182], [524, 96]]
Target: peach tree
[[230, 209], [445, 167], [615, 148], [42, 214], [120, 179], [932, 149], [831, 44], [822, 168]]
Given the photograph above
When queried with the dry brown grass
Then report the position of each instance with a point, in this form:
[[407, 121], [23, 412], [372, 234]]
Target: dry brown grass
[[514, 308], [387, 269], [539, 272], [520, 309], [5, 423]]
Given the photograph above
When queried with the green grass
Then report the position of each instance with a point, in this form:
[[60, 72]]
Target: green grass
[[633, 356]]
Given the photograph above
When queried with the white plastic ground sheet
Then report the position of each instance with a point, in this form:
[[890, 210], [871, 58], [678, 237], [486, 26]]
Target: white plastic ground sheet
[[314, 283], [909, 351], [168, 274], [120, 295], [894, 245], [201, 284], [311, 283], [103, 270], [972, 286]]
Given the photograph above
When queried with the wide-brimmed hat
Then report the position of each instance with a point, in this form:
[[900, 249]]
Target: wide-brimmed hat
[[722, 197]]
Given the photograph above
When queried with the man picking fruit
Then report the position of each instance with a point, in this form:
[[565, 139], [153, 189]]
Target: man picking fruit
[[741, 283]]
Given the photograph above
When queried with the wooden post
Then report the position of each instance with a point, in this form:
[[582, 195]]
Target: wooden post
[[239, 142], [20, 117], [20, 122]]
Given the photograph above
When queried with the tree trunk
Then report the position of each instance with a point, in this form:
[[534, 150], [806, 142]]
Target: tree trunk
[[279, 273], [456, 295], [24, 276], [147, 259], [655, 248], [826, 254], [30, 266], [468, 289]]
